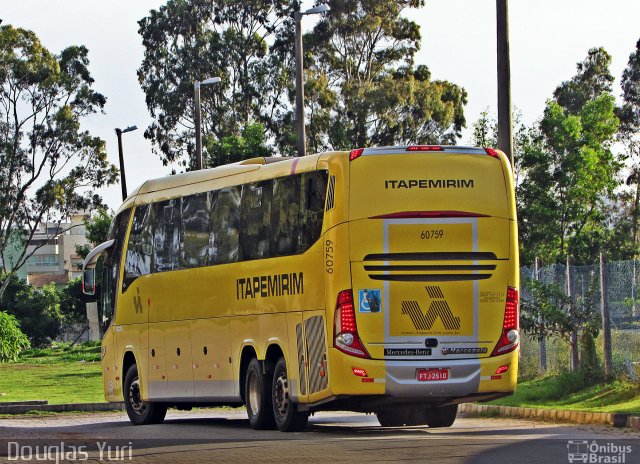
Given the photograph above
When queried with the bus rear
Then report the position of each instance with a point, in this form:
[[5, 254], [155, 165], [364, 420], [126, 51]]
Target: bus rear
[[433, 258]]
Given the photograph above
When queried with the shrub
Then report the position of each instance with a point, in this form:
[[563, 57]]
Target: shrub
[[12, 340]]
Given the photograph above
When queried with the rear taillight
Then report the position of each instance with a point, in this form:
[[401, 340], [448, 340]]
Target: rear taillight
[[510, 338], [492, 152], [345, 330], [425, 148], [355, 153]]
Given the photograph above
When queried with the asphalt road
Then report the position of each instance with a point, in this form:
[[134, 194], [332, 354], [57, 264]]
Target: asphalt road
[[220, 436]]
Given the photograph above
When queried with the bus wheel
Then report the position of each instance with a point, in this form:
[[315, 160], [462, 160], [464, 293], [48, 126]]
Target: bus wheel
[[442, 416], [257, 395], [140, 412], [393, 417], [288, 418]]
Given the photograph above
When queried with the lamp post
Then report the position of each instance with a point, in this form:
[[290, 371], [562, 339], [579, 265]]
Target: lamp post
[[196, 100], [123, 178], [302, 138]]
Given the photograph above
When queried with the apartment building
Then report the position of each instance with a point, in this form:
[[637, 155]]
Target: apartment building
[[54, 256]]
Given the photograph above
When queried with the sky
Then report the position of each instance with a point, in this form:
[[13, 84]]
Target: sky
[[547, 39]]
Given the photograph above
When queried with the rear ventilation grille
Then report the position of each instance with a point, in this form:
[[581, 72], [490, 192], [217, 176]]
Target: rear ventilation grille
[[431, 272], [434, 256], [331, 193]]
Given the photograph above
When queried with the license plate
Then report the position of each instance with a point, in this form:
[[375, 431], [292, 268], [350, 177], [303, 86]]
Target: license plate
[[429, 375]]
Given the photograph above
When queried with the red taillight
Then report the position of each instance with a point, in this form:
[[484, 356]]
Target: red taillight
[[345, 330], [359, 372], [510, 338], [492, 152], [425, 148], [502, 369], [355, 153]]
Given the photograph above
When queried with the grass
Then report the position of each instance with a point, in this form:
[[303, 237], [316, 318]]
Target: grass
[[60, 374], [568, 391]]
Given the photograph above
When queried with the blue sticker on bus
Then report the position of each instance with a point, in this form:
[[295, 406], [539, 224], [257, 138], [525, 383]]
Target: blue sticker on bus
[[369, 300]]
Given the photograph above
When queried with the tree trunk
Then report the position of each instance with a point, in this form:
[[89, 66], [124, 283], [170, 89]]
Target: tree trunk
[[5, 284]]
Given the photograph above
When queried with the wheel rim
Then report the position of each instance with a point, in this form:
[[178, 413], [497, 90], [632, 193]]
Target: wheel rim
[[281, 395], [254, 394], [135, 397]]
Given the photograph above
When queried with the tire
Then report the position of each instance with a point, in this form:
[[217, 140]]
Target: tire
[[285, 410], [140, 412], [392, 418], [257, 394], [442, 416]]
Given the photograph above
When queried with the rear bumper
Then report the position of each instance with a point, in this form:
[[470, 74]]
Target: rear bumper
[[397, 380]]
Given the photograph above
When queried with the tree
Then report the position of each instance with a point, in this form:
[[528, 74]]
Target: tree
[[547, 312], [12, 340], [73, 302], [569, 171], [49, 166], [364, 87], [188, 40], [97, 230], [37, 310], [629, 115]]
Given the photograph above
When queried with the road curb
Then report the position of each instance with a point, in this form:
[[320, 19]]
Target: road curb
[[552, 415], [81, 407]]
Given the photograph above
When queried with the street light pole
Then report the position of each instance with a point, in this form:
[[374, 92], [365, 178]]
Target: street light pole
[[300, 129], [197, 117], [123, 177]]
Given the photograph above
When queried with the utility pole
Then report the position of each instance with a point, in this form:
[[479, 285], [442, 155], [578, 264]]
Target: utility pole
[[505, 123]]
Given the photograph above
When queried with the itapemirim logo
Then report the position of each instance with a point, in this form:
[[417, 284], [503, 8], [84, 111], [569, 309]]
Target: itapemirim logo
[[597, 453], [439, 308]]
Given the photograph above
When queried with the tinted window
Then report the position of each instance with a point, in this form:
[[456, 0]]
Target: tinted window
[[285, 216], [313, 191], [225, 226], [166, 237], [111, 264], [255, 220], [196, 212], [140, 246]]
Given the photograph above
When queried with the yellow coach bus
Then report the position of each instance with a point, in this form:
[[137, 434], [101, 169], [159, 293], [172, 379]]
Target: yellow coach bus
[[379, 280]]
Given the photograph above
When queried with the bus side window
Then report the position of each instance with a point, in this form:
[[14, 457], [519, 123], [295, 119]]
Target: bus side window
[[255, 220], [312, 208], [285, 216], [194, 233], [225, 226], [140, 246], [166, 237], [111, 265]]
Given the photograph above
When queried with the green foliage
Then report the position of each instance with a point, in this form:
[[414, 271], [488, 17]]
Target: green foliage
[[49, 167], [233, 148], [362, 86], [247, 44], [97, 228], [73, 302], [568, 172], [38, 310], [12, 340]]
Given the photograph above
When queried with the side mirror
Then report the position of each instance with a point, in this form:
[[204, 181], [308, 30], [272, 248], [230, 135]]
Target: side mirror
[[89, 281]]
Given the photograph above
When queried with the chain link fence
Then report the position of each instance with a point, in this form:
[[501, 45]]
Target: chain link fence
[[622, 285]]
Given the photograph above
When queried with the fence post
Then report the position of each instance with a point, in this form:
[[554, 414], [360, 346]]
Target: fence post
[[606, 322], [543, 340], [575, 360]]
